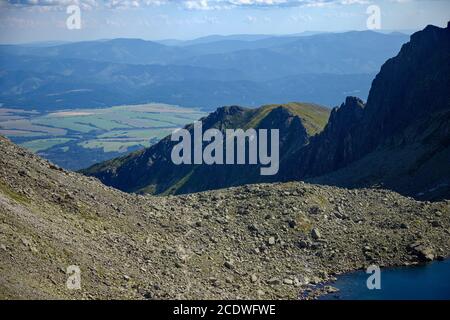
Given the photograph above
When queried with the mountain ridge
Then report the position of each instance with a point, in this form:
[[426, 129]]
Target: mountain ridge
[[37, 81], [279, 69], [154, 171], [411, 86]]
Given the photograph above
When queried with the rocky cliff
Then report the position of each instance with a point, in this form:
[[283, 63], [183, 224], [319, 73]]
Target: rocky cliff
[[400, 133]]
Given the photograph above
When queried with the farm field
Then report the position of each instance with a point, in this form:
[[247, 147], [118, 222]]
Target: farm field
[[76, 139]]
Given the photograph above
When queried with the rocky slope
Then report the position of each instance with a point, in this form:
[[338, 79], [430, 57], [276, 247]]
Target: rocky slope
[[257, 241]]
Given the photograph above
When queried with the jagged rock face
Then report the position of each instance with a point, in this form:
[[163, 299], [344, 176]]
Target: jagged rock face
[[332, 148], [413, 85], [410, 89]]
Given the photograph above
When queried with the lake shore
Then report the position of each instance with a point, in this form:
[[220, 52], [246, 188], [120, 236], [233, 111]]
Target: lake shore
[[423, 281]]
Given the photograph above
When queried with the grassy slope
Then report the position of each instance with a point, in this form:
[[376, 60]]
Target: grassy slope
[[314, 117]]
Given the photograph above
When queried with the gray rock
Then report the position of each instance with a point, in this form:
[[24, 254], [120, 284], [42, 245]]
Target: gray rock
[[315, 210], [292, 223], [273, 281], [330, 289], [315, 234], [303, 244], [422, 251]]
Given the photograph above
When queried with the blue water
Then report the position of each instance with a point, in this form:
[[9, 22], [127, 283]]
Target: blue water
[[423, 282]]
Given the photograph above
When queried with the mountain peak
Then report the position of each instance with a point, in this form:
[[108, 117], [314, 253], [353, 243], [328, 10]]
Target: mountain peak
[[347, 114], [430, 34], [230, 110], [354, 102], [408, 97]]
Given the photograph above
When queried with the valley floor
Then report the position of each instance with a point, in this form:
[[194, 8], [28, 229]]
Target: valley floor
[[78, 138], [259, 241]]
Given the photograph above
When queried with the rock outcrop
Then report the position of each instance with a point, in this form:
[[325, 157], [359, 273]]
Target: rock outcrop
[[405, 119]]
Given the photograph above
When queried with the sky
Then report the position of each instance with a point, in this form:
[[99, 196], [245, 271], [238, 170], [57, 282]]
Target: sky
[[23, 21]]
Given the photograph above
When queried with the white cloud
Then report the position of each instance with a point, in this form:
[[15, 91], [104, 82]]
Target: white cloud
[[197, 5], [84, 4], [187, 4], [258, 2], [121, 4]]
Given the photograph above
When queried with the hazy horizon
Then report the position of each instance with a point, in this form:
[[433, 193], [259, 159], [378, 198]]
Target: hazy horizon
[[304, 34], [28, 21]]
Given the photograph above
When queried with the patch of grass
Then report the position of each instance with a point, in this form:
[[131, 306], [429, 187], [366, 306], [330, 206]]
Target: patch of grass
[[321, 200], [173, 189], [304, 225], [21, 133], [314, 117], [169, 119], [87, 215], [6, 190], [150, 189]]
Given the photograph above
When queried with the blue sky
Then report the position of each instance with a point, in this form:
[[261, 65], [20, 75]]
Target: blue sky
[[42, 20]]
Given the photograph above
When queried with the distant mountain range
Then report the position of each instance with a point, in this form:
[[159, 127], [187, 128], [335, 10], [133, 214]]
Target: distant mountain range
[[347, 50], [238, 37], [399, 139], [206, 73]]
